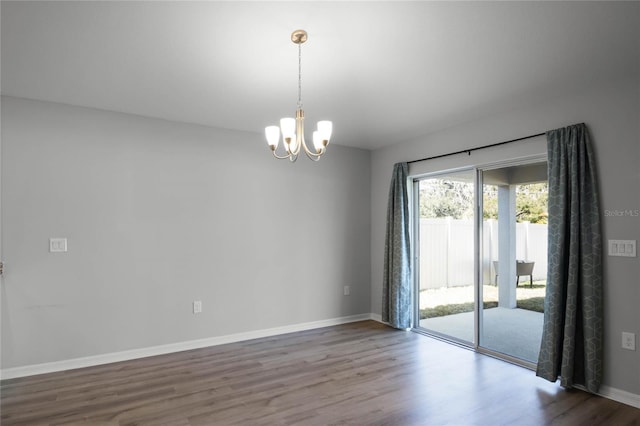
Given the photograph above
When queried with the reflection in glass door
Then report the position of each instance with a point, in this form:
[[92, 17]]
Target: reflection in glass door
[[445, 254]]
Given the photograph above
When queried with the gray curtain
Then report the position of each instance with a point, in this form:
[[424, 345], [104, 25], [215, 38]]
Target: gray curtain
[[396, 286], [571, 347]]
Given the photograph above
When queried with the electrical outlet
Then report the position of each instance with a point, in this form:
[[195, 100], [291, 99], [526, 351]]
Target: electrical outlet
[[197, 306], [57, 245], [628, 341], [347, 290]]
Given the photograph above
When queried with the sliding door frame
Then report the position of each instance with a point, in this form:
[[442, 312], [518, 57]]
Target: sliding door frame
[[415, 255], [478, 233], [534, 159]]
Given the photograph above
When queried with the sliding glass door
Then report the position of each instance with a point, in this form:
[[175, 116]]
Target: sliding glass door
[[445, 263], [513, 259], [480, 257]]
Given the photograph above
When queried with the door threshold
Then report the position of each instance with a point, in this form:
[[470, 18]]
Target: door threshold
[[478, 349]]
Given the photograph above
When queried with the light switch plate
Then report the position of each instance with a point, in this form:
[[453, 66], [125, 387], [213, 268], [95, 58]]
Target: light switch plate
[[624, 248], [57, 245]]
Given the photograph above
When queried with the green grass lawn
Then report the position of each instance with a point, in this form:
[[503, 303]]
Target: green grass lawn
[[532, 304], [529, 303]]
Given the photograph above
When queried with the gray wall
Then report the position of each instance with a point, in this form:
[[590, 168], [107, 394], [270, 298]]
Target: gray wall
[[612, 113], [158, 214]]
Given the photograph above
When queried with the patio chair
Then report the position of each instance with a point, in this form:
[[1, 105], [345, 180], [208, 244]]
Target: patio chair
[[523, 268]]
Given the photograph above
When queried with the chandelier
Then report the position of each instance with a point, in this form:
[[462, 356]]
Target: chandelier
[[293, 128]]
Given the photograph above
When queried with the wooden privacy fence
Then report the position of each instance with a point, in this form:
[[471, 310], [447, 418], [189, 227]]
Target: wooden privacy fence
[[446, 251]]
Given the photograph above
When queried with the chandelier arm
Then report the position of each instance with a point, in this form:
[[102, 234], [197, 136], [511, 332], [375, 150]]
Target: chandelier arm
[[312, 155], [279, 157], [300, 142]]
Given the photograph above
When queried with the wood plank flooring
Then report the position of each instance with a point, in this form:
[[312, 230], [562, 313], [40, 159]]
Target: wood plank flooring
[[355, 374]]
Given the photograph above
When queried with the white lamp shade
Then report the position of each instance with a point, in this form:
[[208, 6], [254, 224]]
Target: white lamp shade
[[288, 127], [317, 141], [324, 130], [273, 135]]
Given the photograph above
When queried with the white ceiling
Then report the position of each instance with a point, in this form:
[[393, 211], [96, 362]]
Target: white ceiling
[[383, 72]]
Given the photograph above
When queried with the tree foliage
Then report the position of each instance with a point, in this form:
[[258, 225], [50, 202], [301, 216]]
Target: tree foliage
[[447, 198]]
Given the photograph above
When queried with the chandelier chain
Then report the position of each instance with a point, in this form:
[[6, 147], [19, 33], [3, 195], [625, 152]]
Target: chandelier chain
[[299, 75]]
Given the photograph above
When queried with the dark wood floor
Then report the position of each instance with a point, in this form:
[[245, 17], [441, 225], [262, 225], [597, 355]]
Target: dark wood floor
[[362, 373]]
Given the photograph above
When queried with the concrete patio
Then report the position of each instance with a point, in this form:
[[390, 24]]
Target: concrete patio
[[515, 332]]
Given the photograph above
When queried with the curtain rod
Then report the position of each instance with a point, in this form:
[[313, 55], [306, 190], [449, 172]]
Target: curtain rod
[[468, 151]]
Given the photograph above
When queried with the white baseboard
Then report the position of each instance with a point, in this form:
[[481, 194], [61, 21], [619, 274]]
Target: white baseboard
[[51, 367], [621, 396]]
